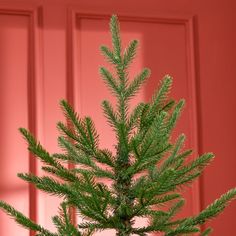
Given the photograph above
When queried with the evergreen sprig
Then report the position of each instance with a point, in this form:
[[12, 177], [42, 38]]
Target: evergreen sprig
[[147, 171]]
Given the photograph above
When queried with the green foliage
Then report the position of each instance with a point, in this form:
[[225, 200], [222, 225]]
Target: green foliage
[[24, 221], [148, 170]]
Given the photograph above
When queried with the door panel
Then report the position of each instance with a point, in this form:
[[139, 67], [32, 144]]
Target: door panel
[[165, 37], [14, 109]]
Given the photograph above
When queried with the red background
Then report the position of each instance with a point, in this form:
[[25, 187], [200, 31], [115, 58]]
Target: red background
[[49, 50]]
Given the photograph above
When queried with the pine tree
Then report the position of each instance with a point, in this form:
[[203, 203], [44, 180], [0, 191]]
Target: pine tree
[[148, 171]]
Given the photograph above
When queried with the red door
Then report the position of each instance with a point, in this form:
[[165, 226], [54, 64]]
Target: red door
[[50, 50]]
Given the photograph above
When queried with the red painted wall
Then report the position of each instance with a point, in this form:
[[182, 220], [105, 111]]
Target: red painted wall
[[49, 49]]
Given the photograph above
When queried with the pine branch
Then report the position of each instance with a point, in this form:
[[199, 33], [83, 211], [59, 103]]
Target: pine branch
[[175, 115], [115, 34], [86, 134], [110, 81], [109, 55], [213, 209], [136, 84], [172, 158], [23, 220], [207, 232], [210, 212], [110, 114], [130, 53], [162, 93], [135, 116], [64, 224], [48, 184], [38, 150]]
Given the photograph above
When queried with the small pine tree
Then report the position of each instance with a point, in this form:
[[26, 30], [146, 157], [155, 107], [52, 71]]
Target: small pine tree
[[147, 171]]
